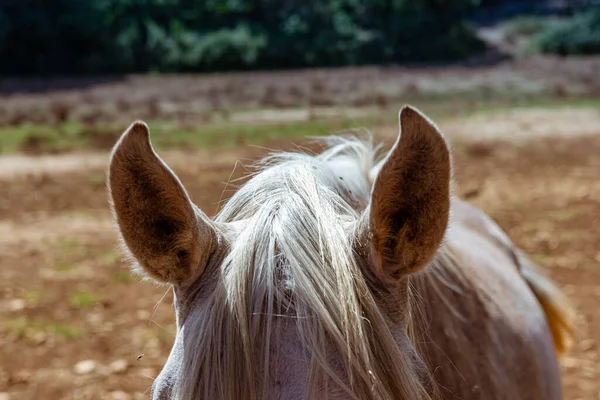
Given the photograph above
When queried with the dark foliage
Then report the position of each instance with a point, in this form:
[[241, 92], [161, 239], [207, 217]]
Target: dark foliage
[[578, 35], [103, 36]]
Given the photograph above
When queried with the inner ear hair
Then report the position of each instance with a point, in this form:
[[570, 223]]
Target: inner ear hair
[[410, 201], [168, 236]]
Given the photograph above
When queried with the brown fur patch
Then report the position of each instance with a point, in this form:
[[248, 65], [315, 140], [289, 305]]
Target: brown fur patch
[[411, 197], [161, 227]]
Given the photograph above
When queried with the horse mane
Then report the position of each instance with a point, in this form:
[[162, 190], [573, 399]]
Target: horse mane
[[294, 259]]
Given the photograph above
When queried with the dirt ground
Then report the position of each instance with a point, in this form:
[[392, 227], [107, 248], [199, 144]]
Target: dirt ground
[[194, 99], [74, 322]]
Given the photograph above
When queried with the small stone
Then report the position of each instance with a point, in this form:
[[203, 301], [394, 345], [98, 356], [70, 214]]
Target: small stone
[[40, 338], [47, 274], [17, 305], [94, 319], [143, 315], [85, 367], [118, 366], [569, 362], [107, 327], [119, 395]]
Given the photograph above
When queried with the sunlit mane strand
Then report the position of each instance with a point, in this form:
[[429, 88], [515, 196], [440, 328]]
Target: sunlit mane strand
[[293, 259]]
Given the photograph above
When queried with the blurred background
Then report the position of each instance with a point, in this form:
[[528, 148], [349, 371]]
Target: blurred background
[[515, 85]]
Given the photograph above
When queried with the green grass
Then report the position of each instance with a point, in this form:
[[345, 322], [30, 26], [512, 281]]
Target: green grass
[[83, 299], [96, 180], [111, 257], [29, 328], [165, 134], [572, 235], [442, 106], [122, 277], [64, 331], [35, 296], [65, 267], [168, 135], [70, 249], [171, 134], [564, 215], [40, 137]]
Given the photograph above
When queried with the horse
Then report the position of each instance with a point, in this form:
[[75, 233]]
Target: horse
[[347, 274]]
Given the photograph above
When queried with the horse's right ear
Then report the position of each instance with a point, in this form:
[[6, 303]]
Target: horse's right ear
[[410, 202], [168, 236]]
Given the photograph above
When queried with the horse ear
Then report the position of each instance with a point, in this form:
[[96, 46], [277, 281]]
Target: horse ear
[[168, 236], [410, 202]]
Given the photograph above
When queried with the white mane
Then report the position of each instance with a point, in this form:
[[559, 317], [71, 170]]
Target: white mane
[[295, 256]]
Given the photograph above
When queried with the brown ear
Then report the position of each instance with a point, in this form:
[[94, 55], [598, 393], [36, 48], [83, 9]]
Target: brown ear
[[410, 202], [169, 237]]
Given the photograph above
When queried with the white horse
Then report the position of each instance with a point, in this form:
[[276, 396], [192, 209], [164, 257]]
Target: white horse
[[336, 276]]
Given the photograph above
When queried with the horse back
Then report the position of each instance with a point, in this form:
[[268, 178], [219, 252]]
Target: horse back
[[478, 323]]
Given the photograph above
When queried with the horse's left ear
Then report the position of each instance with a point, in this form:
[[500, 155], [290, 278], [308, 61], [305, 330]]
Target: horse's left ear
[[167, 234], [410, 202]]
